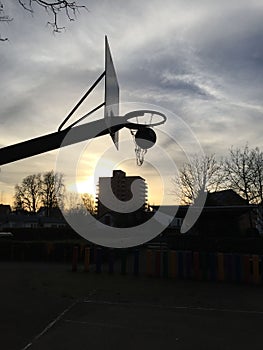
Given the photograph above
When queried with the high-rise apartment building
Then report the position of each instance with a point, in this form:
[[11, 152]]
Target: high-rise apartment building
[[121, 191]]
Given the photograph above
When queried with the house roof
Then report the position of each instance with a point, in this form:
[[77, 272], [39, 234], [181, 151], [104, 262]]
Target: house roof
[[225, 198]]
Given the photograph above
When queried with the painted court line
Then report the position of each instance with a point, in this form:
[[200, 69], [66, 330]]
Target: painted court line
[[58, 318], [185, 307], [49, 326]]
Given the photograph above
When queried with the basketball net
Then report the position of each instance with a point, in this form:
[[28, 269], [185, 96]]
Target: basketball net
[[139, 152]]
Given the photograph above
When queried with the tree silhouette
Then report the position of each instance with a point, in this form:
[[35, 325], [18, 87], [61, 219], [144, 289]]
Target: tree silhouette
[[45, 189], [52, 190], [244, 173], [28, 193], [200, 174]]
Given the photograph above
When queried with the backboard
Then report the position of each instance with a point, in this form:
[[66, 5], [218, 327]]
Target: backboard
[[111, 92]]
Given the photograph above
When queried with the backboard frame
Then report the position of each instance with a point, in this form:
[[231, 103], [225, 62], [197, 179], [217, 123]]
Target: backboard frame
[[112, 93]]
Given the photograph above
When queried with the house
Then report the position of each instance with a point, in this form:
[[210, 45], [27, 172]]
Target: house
[[225, 213], [5, 209], [31, 221]]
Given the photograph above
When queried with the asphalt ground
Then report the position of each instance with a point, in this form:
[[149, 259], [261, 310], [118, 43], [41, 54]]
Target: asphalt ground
[[46, 306]]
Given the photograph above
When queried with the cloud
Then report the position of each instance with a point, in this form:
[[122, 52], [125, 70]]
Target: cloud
[[199, 60]]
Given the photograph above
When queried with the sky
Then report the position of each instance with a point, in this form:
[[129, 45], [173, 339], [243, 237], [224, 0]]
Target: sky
[[199, 61]]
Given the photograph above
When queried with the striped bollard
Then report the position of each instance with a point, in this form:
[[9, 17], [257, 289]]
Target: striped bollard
[[136, 262], [173, 264], [149, 262], [75, 259], [86, 259], [255, 262]]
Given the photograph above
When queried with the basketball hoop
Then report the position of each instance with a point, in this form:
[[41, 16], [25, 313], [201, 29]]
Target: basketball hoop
[[143, 135]]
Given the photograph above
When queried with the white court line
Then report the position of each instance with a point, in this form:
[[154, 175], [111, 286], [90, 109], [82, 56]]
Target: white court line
[[51, 324], [185, 307]]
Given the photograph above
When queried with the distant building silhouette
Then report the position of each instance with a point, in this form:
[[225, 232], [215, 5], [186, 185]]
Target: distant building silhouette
[[120, 186], [5, 209]]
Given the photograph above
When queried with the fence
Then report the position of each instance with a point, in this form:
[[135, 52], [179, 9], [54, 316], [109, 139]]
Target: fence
[[161, 263], [239, 268]]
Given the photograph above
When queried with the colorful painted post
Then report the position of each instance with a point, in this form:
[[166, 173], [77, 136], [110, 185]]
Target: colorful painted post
[[136, 262], [212, 266], [228, 267], [255, 261], [204, 265], [188, 264], [220, 267], [173, 264], [123, 262], [165, 264], [196, 266], [111, 260], [180, 265], [237, 262], [98, 259], [86, 259], [94, 254], [157, 271], [246, 268], [75, 259], [149, 262], [50, 250]]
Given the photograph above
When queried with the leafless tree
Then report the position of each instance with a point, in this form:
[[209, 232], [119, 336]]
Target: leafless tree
[[78, 204], [244, 172], [201, 174], [257, 179], [45, 189], [28, 194], [57, 8], [52, 190], [89, 202]]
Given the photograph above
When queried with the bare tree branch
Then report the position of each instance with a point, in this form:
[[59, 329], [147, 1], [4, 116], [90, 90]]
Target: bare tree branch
[[200, 174], [57, 8], [69, 8], [4, 18]]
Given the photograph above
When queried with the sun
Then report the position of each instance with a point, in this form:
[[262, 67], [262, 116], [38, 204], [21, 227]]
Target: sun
[[87, 186]]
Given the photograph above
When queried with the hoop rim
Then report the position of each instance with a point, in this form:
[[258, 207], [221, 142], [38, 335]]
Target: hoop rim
[[140, 113]]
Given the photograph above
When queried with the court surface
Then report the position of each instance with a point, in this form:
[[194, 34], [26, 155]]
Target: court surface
[[46, 306]]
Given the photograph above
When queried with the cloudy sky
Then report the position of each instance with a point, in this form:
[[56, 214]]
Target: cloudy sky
[[201, 61]]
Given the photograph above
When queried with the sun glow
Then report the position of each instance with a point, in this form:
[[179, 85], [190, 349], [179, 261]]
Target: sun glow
[[87, 186]]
